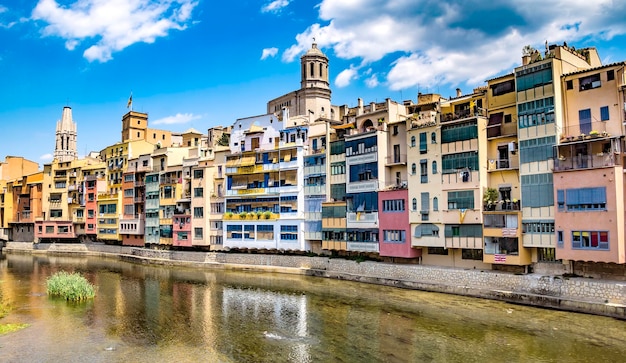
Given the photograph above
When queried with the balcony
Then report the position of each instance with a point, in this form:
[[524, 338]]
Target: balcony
[[399, 159], [251, 216], [578, 162], [463, 114], [503, 164], [397, 185], [313, 235], [314, 189], [315, 170]]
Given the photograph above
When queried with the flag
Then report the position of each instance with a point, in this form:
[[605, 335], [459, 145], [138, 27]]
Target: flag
[[130, 101]]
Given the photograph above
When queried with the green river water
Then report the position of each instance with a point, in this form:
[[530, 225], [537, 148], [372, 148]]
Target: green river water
[[159, 314]]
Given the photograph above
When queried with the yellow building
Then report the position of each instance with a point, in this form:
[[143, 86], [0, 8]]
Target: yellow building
[[501, 198]]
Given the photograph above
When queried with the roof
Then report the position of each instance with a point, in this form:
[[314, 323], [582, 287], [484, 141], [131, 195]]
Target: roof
[[314, 51], [622, 63], [499, 77]]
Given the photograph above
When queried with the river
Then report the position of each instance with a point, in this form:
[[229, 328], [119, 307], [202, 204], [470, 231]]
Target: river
[[161, 314]]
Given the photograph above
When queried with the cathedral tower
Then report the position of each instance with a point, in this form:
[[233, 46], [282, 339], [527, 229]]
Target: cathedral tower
[[65, 147]]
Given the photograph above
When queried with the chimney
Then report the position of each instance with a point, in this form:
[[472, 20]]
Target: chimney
[[360, 107], [458, 92], [525, 60], [372, 106]]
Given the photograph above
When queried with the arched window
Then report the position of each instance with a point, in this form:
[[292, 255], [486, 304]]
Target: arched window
[[414, 205], [412, 141], [321, 68], [413, 169], [434, 167], [435, 204], [433, 138], [312, 70]]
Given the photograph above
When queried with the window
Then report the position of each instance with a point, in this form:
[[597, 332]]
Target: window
[[532, 77], [470, 254], [393, 205], [59, 185], [394, 236], [395, 130], [546, 254], [413, 169], [433, 138], [414, 204], [569, 84], [198, 174], [91, 213], [129, 210], [198, 192], [610, 75], [437, 251], [499, 89], [80, 213], [538, 149], [129, 192], [451, 163], [425, 207], [584, 118], [234, 231], [412, 141], [604, 113], [537, 112], [289, 233], [434, 164], [581, 199], [435, 204], [423, 144], [592, 240], [107, 208], [538, 227], [338, 168], [198, 212], [423, 171], [507, 119], [537, 190], [590, 82], [463, 199], [362, 172]]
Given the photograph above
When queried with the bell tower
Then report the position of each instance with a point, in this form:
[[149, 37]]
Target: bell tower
[[314, 66], [65, 147]]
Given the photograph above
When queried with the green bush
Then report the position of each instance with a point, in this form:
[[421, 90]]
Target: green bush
[[70, 286]]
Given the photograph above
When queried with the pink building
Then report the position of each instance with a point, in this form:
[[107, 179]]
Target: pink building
[[181, 230], [394, 231], [588, 169]]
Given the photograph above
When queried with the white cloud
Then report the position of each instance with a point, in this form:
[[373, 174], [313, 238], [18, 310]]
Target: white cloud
[[3, 9], [108, 26], [372, 81], [346, 76], [427, 43], [179, 118], [269, 52], [46, 157], [275, 6]]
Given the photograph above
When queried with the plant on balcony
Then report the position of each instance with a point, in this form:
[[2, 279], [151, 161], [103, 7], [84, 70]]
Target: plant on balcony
[[242, 215], [594, 133], [605, 134], [267, 215], [258, 214], [228, 215], [490, 198]]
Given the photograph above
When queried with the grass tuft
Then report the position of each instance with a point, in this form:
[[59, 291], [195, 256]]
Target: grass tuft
[[70, 286]]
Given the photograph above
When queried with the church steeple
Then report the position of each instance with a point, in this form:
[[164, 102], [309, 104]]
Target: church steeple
[[314, 65], [65, 147]]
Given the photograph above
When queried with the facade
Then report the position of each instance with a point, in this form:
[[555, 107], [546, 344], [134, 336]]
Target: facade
[[539, 98], [25, 194], [503, 243], [589, 168]]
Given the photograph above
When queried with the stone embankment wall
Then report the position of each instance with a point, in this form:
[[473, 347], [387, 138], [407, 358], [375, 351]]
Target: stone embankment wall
[[602, 297]]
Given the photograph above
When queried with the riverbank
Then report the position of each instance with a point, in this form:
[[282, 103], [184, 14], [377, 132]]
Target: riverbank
[[600, 297]]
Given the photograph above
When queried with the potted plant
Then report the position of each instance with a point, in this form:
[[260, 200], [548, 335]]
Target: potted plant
[[242, 215], [490, 198], [594, 133], [228, 215], [267, 214]]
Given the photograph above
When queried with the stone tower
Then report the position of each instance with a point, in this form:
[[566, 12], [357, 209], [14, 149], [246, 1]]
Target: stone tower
[[65, 147], [314, 65]]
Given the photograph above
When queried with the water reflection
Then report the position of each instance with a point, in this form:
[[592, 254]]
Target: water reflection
[[146, 313]]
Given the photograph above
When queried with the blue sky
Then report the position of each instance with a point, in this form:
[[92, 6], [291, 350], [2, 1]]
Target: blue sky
[[200, 63]]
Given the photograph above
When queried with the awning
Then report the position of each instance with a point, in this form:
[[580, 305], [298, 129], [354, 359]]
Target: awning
[[248, 160], [344, 126], [425, 229]]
